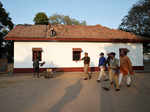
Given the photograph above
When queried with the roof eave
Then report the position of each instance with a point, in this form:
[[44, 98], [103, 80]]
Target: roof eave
[[79, 40]]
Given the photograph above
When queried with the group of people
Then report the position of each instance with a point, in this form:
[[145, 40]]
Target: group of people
[[118, 69]]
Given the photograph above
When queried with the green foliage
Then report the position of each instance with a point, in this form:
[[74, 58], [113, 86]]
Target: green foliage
[[83, 23], [138, 19], [41, 18], [5, 20], [66, 20], [56, 19], [5, 26]]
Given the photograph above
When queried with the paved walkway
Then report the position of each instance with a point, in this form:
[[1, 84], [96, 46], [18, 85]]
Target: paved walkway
[[68, 92]]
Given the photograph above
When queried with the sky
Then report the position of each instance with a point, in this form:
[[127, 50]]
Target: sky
[[108, 13]]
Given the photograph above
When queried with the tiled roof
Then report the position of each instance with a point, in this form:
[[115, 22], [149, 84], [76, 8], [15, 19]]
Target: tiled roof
[[69, 31], [28, 31]]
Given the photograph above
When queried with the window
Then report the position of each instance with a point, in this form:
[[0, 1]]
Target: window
[[52, 32], [37, 53], [77, 54]]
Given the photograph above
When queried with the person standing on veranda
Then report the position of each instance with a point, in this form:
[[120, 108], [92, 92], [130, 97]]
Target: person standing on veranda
[[36, 68], [102, 67], [125, 66], [86, 60]]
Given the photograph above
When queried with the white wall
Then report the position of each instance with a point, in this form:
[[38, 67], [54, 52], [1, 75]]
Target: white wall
[[59, 54]]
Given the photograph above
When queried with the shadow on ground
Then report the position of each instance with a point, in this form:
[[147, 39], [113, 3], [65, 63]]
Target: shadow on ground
[[71, 93], [128, 99]]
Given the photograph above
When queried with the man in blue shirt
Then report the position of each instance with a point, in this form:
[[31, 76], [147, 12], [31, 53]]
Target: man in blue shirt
[[102, 67]]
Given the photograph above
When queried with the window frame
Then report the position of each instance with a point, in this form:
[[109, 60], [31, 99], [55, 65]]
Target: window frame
[[76, 50], [37, 50]]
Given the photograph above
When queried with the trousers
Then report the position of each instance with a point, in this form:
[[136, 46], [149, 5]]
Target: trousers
[[87, 75], [113, 77], [102, 72]]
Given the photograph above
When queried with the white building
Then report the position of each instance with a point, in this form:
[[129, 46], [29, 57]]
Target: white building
[[62, 46]]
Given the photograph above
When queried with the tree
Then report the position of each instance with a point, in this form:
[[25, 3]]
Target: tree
[[66, 20], [138, 19], [41, 18], [5, 26]]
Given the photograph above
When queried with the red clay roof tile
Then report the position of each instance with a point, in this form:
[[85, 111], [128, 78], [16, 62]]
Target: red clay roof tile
[[69, 31]]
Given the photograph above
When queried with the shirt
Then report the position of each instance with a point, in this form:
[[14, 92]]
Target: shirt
[[86, 60], [126, 66], [108, 60], [102, 61], [114, 64], [36, 63]]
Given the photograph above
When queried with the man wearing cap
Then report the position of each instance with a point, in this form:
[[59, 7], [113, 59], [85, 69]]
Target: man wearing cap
[[114, 71], [86, 60], [126, 70], [102, 67]]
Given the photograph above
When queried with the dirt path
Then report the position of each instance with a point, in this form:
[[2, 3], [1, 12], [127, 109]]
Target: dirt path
[[70, 93]]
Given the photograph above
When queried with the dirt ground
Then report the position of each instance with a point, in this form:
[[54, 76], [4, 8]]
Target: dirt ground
[[68, 92]]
